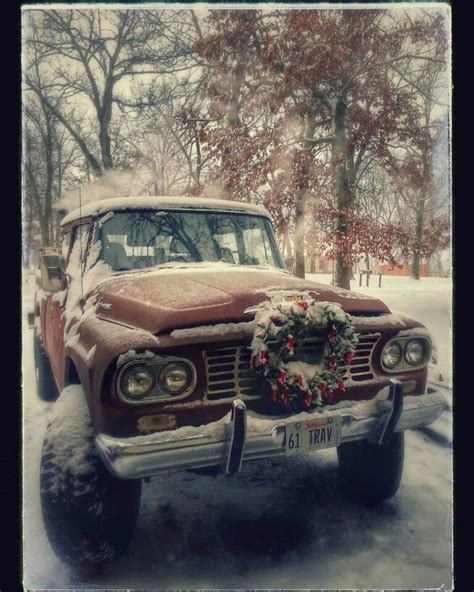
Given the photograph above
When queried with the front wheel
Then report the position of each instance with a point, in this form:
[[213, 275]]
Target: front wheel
[[372, 472], [89, 515]]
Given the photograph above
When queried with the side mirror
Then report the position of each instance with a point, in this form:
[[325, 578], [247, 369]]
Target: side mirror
[[53, 276]]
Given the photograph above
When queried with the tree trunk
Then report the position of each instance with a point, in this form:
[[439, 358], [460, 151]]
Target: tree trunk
[[300, 232], [45, 234], [104, 115], [415, 266], [420, 215], [344, 196], [105, 150], [420, 209], [303, 164], [233, 118], [342, 276]]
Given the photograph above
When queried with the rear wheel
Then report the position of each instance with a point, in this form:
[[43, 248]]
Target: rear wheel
[[89, 515], [45, 385], [372, 472]]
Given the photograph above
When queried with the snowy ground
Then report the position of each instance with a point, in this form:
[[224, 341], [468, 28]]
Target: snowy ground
[[279, 524]]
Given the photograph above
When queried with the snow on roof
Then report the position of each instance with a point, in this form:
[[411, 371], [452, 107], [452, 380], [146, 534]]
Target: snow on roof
[[159, 203]]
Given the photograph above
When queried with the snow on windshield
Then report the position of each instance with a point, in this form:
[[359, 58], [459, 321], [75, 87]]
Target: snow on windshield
[[140, 239]]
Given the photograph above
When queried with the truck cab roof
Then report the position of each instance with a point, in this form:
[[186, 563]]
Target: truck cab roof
[[161, 203]]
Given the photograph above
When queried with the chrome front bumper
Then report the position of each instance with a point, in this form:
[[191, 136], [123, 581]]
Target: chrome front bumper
[[243, 436]]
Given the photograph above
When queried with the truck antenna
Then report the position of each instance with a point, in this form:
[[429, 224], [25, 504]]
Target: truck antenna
[[80, 244]]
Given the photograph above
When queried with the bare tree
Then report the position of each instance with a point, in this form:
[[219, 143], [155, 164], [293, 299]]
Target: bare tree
[[48, 156], [91, 55]]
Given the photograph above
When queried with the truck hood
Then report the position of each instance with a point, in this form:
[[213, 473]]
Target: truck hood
[[161, 300]]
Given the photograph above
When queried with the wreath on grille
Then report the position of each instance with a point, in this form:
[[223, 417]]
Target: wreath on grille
[[280, 327]]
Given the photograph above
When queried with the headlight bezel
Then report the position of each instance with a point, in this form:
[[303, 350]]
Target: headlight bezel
[[404, 365], [168, 367], [401, 350], [416, 340], [157, 393], [137, 367]]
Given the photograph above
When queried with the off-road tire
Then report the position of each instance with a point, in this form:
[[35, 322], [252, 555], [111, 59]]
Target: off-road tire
[[89, 515], [372, 472], [45, 385]]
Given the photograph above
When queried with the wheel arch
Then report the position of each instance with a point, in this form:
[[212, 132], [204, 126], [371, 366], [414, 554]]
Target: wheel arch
[[77, 373], [71, 374]]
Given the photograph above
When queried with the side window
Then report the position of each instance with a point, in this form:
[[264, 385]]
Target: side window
[[79, 247], [66, 240]]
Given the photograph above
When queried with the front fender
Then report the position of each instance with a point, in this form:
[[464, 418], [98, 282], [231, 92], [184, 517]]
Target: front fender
[[92, 346]]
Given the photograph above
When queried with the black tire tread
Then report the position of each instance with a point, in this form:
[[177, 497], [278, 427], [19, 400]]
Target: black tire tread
[[372, 472], [89, 519], [45, 385]]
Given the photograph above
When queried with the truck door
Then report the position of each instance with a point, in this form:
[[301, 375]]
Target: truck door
[[59, 305]]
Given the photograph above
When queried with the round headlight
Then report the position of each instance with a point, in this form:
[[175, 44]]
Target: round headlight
[[415, 352], [175, 378], [392, 354], [137, 381]]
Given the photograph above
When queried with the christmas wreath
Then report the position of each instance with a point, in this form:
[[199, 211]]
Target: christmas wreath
[[280, 327]]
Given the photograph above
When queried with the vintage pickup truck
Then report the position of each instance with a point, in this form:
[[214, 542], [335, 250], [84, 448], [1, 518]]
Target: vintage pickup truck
[[143, 321]]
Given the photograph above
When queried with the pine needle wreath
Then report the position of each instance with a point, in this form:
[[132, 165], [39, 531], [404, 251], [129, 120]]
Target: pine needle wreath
[[280, 327]]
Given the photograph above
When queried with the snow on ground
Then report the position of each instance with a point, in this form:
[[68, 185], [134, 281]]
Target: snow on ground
[[283, 523]]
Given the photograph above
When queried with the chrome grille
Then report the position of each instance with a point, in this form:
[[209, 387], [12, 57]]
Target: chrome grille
[[360, 369], [229, 374]]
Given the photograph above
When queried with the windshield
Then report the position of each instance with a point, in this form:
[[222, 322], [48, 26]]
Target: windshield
[[139, 239]]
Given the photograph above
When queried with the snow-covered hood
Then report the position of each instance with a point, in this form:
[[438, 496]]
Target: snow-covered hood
[[161, 300]]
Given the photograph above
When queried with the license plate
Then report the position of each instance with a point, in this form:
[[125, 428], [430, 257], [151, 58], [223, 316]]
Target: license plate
[[314, 434]]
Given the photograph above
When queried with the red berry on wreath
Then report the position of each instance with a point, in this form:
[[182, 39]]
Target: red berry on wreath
[[299, 380], [284, 397], [263, 357], [281, 378], [331, 334], [308, 399], [329, 396], [303, 304], [348, 358], [332, 362], [322, 387], [340, 385]]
